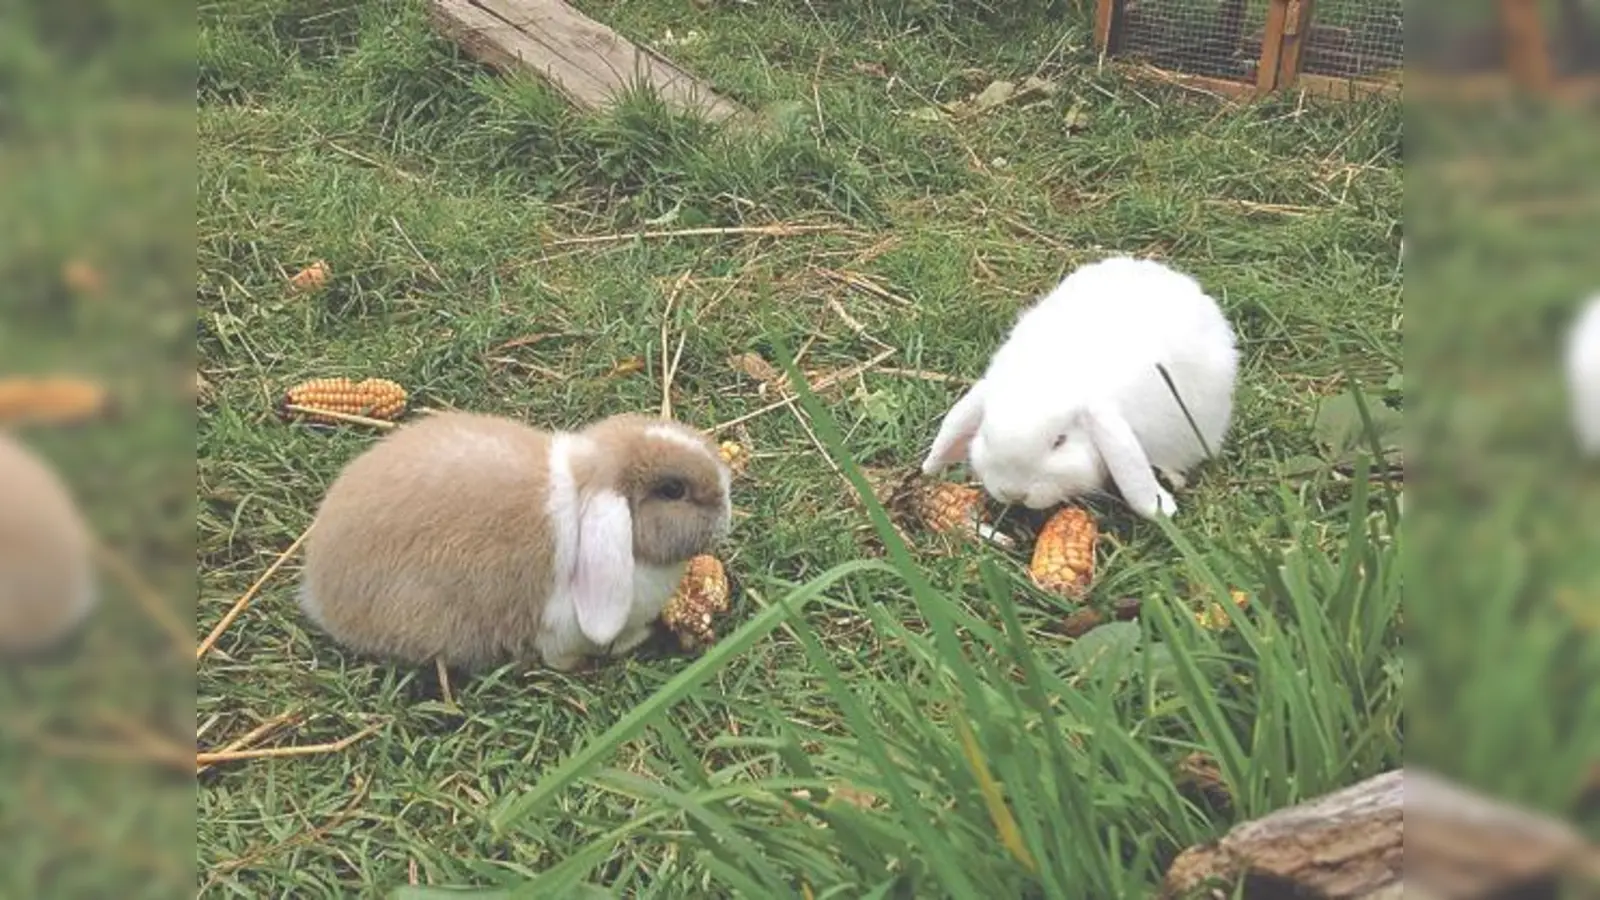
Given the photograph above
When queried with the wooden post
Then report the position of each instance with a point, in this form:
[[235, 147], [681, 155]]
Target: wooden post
[[1107, 22], [1282, 40], [1527, 57]]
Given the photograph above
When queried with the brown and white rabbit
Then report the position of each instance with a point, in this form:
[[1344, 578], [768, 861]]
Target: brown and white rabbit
[[47, 582], [478, 540]]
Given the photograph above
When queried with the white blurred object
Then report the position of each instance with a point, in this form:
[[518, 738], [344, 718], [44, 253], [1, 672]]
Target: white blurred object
[[47, 585], [1583, 375]]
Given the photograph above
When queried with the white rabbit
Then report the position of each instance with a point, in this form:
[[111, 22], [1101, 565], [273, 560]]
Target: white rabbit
[[1583, 376], [1074, 395], [476, 540]]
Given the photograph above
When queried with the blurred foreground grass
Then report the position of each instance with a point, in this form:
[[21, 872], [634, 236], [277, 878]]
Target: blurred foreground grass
[[96, 241]]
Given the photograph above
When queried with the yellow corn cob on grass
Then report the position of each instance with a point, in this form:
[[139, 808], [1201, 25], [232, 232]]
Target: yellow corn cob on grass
[[373, 398], [735, 455], [702, 596], [53, 400], [1063, 557]]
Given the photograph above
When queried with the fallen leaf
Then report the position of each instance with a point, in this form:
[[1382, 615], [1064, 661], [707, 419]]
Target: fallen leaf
[[1076, 118], [1338, 427], [752, 365], [996, 93], [1035, 87], [927, 114], [624, 367]]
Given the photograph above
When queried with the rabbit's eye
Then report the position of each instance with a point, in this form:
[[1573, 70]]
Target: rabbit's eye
[[671, 489], [1056, 444]]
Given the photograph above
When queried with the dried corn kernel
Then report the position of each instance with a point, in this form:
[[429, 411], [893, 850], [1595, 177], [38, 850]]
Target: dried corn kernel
[[53, 401], [373, 398], [735, 455], [1063, 557], [700, 598], [311, 277]]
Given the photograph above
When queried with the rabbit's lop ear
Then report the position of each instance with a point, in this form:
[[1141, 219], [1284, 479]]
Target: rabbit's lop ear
[[1127, 462], [956, 431], [602, 582]]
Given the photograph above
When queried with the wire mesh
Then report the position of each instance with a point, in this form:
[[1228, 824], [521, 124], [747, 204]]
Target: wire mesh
[[1196, 37], [1222, 38], [1354, 39]]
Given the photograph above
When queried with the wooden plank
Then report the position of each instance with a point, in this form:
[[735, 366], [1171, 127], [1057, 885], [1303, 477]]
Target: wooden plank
[[589, 63]]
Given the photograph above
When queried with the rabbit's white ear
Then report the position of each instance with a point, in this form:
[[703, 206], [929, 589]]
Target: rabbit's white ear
[[602, 582], [956, 431], [1127, 462]]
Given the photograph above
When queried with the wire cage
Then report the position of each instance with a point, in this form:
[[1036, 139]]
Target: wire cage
[[1253, 47]]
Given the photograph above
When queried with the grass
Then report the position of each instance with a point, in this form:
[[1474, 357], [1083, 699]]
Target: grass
[[438, 192]]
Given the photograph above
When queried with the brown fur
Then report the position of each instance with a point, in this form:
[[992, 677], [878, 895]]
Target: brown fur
[[435, 543], [46, 576]]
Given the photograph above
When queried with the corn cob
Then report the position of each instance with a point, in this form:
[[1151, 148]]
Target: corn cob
[[700, 598], [310, 278], [373, 398], [1063, 557], [54, 400]]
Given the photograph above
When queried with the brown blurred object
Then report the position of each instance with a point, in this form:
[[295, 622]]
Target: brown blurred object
[[82, 278], [54, 400], [311, 278], [702, 596], [1063, 556], [47, 580], [1082, 621], [1200, 774], [1454, 845]]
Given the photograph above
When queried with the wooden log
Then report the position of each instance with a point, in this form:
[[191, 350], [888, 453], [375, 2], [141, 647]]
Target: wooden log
[[589, 63], [1347, 844], [1350, 845]]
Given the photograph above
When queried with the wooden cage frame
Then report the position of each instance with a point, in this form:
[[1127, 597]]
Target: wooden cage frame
[[1279, 66]]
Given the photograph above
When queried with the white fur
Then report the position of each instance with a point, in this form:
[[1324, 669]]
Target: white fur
[[1082, 364], [1583, 375], [602, 600], [561, 641], [674, 436]]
